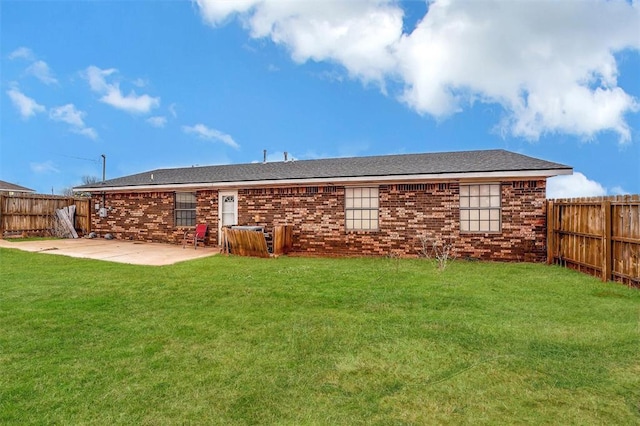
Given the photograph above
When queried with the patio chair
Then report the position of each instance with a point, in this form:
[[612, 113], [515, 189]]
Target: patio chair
[[195, 236]]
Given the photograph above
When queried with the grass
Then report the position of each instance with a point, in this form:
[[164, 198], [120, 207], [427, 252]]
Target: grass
[[21, 239], [291, 341]]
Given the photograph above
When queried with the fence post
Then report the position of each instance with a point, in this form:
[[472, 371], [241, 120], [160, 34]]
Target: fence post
[[88, 214], [606, 241], [550, 235], [2, 198]]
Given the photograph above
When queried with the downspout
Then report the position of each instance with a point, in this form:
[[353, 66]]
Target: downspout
[[104, 168]]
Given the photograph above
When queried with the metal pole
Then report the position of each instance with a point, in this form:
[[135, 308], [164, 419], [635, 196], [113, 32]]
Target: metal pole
[[104, 167]]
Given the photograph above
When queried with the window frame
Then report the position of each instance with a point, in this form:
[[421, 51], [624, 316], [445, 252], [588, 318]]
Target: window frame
[[478, 206], [177, 210], [357, 206]]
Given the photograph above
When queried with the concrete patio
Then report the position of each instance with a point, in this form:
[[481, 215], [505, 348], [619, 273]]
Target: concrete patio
[[137, 253]]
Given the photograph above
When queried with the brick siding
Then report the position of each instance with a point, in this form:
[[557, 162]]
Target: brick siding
[[149, 216], [317, 215]]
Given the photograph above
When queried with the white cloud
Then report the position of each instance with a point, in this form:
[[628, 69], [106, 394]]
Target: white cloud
[[157, 121], [204, 132], [356, 34], [112, 95], [140, 82], [22, 53], [38, 68], [44, 167], [26, 106], [86, 131], [42, 72], [217, 11], [550, 65], [75, 118], [575, 185], [172, 110], [68, 114], [131, 103], [618, 190], [97, 78]]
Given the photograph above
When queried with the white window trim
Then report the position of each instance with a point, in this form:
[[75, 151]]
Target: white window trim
[[176, 209], [479, 209], [360, 208]]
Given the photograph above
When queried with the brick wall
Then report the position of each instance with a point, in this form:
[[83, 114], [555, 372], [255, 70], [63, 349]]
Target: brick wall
[[317, 215], [406, 211], [149, 216], [524, 226]]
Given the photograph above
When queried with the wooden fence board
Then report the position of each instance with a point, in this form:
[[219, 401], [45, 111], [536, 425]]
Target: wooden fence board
[[246, 243], [597, 235], [550, 222], [33, 214], [282, 239], [254, 243], [65, 219], [606, 256]]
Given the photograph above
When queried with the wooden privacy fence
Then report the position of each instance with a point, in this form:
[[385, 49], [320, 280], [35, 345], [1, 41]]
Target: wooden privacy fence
[[33, 214], [598, 235], [282, 239], [245, 243], [254, 243]]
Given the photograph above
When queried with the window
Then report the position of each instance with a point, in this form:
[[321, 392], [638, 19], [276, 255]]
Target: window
[[361, 209], [185, 207], [480, 208]]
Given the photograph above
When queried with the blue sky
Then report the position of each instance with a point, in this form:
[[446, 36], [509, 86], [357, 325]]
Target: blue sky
[[177, 83]]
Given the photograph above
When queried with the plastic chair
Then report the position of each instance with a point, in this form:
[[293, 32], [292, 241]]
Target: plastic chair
[[195, 236]]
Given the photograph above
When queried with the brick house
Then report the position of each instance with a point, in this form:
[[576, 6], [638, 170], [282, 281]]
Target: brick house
[[9, 188], [490, 204]]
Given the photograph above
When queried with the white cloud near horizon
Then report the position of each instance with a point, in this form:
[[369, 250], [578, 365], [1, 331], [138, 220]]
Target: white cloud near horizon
[[618, 190], [573, 186], [112, 95], [74, 118], [207, 133], [551, 66], [26, 106]]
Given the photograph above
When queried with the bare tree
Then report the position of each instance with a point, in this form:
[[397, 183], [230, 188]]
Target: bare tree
[[67, 191], [86, 180], [440, 249]]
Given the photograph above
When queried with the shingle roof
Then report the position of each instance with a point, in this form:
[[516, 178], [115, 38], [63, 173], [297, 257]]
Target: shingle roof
[[332, 168], [8, 186]]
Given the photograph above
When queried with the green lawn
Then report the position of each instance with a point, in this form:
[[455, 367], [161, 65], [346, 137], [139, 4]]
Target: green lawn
[[296, 341]]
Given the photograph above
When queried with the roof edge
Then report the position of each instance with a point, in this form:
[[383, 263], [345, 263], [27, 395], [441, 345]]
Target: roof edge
[[502, 175]]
